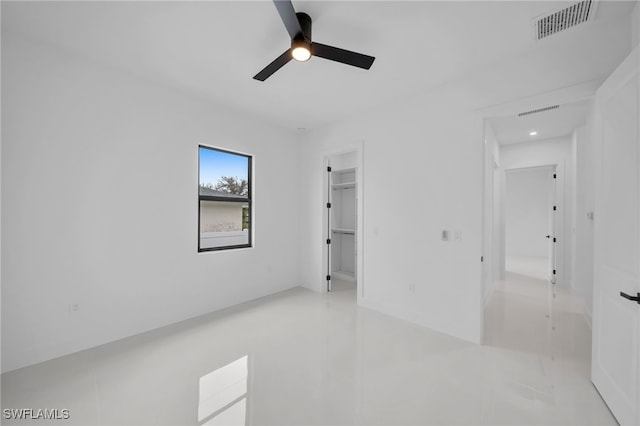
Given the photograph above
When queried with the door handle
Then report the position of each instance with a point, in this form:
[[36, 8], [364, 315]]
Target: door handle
[[548, 236], [632, 298]]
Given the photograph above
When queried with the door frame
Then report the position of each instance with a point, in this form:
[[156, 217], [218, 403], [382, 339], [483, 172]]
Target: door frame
[[358, 149]]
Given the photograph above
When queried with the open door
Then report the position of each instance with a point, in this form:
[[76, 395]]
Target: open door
[[328, 234], [553, 209], [615, 369]]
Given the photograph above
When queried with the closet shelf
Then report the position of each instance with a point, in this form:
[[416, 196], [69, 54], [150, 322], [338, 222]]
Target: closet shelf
[[344, 185], [343, 231]]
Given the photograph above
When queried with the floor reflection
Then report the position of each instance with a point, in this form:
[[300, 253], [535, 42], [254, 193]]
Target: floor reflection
[[303, 358], [223, 395]]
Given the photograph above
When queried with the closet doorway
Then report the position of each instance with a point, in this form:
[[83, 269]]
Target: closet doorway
[[343, 222]]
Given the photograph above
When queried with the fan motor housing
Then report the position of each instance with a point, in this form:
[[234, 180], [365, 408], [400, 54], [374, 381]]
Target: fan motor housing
[[305, 24]]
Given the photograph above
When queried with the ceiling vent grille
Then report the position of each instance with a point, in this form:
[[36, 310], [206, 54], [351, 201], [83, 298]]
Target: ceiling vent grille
[[559, 20], [535, 111]]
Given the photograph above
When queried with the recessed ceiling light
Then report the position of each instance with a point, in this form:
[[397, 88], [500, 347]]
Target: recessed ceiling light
[[533, 133]]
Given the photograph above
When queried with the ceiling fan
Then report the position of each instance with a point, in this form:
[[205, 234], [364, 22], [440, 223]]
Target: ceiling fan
[[298, 26]]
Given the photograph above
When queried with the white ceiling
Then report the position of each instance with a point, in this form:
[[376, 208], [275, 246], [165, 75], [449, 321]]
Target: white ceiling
[[212, 48], [549, 124]]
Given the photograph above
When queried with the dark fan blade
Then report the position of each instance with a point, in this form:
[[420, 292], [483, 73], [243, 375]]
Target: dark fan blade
[[340, 55], [288, 16], [274, 66]]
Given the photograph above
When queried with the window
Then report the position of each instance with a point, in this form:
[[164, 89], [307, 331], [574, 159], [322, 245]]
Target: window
[[224, 198]]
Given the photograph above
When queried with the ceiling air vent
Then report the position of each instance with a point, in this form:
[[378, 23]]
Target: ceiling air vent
[[535, 111], [559, 20]]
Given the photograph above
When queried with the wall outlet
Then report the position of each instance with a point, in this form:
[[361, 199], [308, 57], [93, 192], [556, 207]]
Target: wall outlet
[[412, 288], [457, 235], [73, 308], [445, 235]]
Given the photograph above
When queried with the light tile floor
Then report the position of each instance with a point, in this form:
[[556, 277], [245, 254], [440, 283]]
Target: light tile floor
[[530, 318], [301, 358]]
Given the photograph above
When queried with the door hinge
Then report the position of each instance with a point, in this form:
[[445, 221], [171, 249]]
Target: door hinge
[[328, 240], [329, 168], [328, 205], [328, 277]]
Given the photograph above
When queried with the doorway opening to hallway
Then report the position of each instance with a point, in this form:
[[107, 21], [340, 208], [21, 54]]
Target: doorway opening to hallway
[[529, 216]]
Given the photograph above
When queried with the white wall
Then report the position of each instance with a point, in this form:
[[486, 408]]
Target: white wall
[[94, 163], [499, 255], [492, 184], [635, 26], [421, 169], [549, 152], [585, 195], [574, 207], [527, 197]]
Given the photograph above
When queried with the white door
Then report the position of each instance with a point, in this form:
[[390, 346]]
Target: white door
[[615, 369], [552, 235], [329, 226]]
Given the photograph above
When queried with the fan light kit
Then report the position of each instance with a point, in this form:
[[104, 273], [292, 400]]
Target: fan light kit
[[533, 133], [298, 26], [300, 51]]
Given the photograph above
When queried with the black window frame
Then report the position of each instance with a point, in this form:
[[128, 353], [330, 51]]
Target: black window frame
[[235, 199]]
